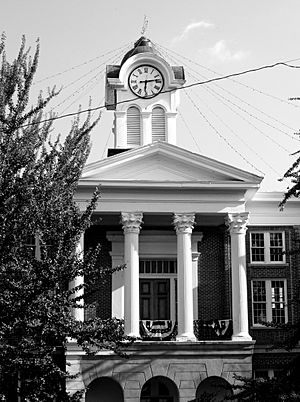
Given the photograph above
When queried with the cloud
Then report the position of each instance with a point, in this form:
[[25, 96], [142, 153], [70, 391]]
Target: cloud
[[222, 52], [191, 27]]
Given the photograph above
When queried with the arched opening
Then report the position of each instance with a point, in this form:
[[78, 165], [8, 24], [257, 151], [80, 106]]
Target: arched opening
[[158, 124], [133, 126], [159, 389], [213, 389], [104, 389]]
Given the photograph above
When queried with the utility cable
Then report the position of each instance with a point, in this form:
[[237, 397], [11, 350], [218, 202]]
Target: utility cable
[[269, 66], [253, 107], [122, 48], [190, 131], [235, 81], [210, 90], [216, 130]]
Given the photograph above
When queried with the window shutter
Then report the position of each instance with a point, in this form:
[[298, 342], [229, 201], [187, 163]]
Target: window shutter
[[133, 126], [158, 124]]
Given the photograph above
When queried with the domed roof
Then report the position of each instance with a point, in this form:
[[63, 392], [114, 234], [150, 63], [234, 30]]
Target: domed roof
[[142, 45]]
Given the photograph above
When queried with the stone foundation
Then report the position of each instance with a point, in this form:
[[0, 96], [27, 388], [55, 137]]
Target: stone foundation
[[185, 363]]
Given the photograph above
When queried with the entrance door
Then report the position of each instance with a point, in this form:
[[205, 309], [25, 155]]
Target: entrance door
[[155, 299]]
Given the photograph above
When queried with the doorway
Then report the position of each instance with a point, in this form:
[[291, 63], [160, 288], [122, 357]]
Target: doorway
[[155, 299]]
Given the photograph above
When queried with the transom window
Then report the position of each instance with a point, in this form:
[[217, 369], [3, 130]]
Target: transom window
[[158, 267], [267, 247], [269, 301]]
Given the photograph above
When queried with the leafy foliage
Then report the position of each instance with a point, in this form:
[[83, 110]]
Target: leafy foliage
[[293, 173], [285, 387], [38, 180]]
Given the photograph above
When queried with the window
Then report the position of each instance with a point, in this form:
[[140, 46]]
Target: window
[[267, 373], [133, 126], [267, 247], [269, 301], [158, 124], [158, 289]]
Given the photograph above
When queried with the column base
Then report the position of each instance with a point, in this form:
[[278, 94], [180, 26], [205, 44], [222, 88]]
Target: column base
[[187, 337], [133, 335], [242, 336]]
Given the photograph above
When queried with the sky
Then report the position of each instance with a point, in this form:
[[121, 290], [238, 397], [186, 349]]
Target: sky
[[247, 121]]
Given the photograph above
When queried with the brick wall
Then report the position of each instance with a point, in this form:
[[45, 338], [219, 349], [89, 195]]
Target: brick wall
[[288, 271], [213, 274], [98, 298]]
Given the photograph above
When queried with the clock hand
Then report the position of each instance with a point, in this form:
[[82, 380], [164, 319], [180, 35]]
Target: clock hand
[[145, 87], [149, 80]]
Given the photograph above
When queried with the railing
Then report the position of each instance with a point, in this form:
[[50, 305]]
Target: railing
[[213, 330], [166, 330]]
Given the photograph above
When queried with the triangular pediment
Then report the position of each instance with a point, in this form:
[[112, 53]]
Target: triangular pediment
[[161, 162]]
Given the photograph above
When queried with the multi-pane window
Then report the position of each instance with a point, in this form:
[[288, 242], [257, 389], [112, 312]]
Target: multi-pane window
[[269, 301], [36, 248], [267, 247], [31, 245], [158, 267]]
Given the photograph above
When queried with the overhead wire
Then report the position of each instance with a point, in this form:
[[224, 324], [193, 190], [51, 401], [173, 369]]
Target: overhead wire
[[213, 127], [210, 90], [190, 131], [121, 48], [114, 57], [236, 81], [223, 77]]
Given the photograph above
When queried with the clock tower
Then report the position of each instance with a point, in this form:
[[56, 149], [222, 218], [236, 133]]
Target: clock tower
[[142, 92]]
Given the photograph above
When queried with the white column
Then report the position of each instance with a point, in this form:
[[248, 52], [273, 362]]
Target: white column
[[237, 224], [131, 225], [78, 313], [171, 127], [184, 224], [146, 128], [120, 129]]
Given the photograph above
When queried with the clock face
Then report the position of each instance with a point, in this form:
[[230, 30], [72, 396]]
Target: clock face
[[146, 81]]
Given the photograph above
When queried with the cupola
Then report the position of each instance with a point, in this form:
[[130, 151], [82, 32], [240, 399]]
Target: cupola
[[143, 93]]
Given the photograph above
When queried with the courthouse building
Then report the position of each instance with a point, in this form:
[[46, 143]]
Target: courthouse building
[[203, 246]]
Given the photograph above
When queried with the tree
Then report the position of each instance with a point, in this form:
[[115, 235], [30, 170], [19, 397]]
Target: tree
[[38, 180], [293, 173]]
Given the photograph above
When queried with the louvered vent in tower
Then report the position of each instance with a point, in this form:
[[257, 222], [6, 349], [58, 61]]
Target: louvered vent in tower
[[133, 126], [158, 124]]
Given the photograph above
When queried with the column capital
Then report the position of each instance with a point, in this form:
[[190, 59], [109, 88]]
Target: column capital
[[131, 221], [237, 222], [184, 222]]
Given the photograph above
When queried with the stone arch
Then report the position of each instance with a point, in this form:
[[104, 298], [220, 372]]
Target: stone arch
[[104, 389], [213, 389], [159, 387]]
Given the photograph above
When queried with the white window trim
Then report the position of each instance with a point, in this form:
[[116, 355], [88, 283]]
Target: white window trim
[[269, 301], [267, 260]]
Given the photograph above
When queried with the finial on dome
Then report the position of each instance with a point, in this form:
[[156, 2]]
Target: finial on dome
[[145, 25]]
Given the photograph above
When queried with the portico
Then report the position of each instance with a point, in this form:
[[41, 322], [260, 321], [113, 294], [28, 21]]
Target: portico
[[156, 212]]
